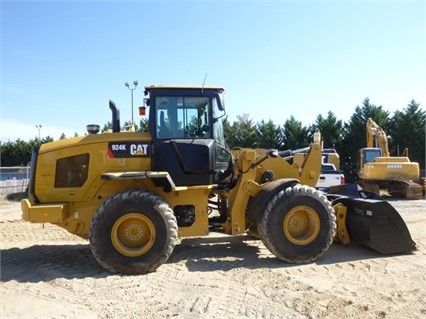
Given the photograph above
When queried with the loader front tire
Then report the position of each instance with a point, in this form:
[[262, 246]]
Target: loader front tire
[[298, 224], [133, 232]]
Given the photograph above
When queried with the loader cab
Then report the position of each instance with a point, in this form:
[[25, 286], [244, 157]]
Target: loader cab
[[187, 133]]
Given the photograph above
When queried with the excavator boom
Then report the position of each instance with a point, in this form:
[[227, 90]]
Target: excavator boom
[[376, 137]]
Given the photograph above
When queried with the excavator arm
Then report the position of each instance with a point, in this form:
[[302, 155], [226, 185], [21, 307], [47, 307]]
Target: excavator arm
[[376, 137]]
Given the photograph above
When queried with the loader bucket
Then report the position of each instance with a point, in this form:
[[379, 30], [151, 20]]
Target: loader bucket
[[376, 224]]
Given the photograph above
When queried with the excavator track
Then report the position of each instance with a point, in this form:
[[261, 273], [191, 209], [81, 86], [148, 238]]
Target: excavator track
[[406, 189]]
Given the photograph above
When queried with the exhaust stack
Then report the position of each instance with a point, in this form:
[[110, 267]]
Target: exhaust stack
[[115, 117]]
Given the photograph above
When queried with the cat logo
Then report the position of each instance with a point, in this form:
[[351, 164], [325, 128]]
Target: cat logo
[[128, 149], [138, 149]]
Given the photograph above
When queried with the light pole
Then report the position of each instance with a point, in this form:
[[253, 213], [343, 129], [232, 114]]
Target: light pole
[[135, 83], [38, 126]]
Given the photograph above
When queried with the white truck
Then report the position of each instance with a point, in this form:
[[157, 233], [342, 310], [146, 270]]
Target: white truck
[[329, 176]]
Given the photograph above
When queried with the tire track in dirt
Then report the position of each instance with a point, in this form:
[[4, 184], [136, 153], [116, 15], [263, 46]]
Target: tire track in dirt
[[47, 262], [213, 295], [360, 281], [210, 277], [20, 233]]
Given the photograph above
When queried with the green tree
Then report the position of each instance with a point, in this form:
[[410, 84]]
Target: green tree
[[269, 135], [407, 129], [243, 133], [355, 135], [331, 130], [46, 139], [294, 134], [143, 125], [17, 153], [107, 127], [228, 132]]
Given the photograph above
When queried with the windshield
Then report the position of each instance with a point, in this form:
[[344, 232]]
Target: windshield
[[370, 155], [182, 117]]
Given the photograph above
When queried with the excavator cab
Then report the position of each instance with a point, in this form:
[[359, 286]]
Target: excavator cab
[[187, 134], [367, 155]]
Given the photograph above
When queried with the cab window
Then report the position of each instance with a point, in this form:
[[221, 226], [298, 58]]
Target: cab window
[[182, 117]]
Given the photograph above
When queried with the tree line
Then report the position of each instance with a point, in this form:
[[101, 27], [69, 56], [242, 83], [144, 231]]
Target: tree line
[[406, 130]]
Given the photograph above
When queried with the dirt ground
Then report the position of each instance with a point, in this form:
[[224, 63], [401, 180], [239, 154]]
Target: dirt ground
[[49, 273]]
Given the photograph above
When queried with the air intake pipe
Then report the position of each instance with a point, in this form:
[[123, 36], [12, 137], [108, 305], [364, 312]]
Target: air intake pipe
[[115, 117]]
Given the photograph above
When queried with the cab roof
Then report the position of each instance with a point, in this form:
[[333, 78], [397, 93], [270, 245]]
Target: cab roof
[[186, 87]]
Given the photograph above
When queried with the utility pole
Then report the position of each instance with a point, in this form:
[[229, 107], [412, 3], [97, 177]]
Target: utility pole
[[38, 126], [135, 83]]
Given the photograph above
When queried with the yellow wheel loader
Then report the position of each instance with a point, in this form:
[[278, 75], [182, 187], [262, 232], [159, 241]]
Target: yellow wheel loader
[[133, 194]]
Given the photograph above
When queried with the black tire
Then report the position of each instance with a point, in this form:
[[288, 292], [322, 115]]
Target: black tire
[[133, 232], [298, 224]]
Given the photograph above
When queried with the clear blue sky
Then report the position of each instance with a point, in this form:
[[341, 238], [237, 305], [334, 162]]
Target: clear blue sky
[[61, 61]]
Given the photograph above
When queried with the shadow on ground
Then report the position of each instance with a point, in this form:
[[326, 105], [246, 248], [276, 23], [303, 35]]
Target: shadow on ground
[[205, 254]]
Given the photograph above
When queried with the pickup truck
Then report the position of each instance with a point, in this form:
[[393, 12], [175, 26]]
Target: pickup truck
[[329, 176]]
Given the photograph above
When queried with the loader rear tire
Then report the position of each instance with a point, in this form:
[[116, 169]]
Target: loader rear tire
[[133, 232], [298, 224]]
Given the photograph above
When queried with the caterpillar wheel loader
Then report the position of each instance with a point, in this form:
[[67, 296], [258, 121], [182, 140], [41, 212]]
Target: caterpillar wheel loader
[[133, 194]]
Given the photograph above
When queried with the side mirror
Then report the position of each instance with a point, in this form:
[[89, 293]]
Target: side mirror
[[221, 102]]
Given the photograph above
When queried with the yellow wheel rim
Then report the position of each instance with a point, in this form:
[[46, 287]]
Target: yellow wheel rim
[[301, 225], [133, 234]]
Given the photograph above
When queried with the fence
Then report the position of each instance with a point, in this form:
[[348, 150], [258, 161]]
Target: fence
[[14, 179]]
